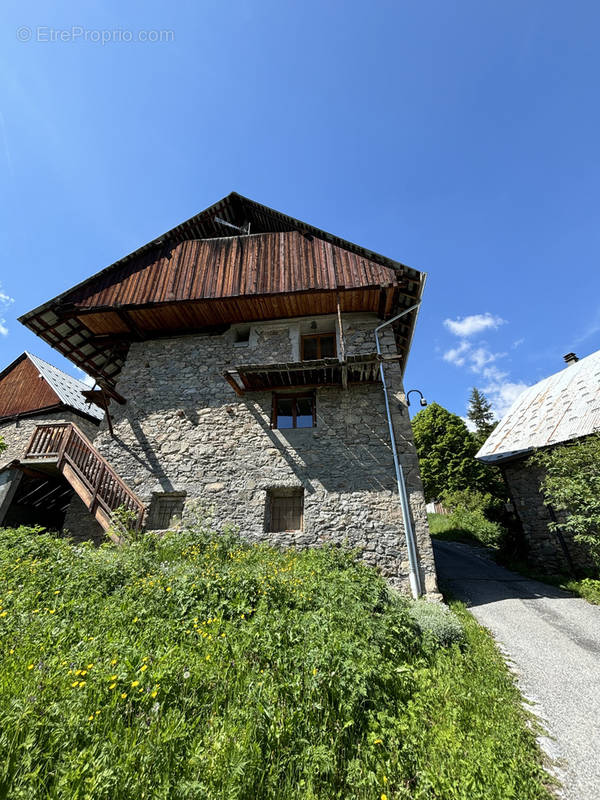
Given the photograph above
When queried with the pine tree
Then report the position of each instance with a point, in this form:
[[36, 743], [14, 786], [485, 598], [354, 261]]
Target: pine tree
[[481, 415]]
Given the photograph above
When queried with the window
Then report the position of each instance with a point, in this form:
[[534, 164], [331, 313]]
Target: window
[[242, 334], [164, 509], [318, 345], [294, 411], [286, 510]]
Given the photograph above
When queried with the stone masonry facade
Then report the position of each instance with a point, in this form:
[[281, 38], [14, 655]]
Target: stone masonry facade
[[545, 549], [185, 434]]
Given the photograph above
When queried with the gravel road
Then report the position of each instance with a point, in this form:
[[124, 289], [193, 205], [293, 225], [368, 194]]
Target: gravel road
[[552, 642]]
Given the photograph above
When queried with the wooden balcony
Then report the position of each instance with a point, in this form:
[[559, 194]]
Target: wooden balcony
[[64, 447]]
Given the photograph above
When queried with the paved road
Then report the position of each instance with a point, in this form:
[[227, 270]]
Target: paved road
[[553, 643]]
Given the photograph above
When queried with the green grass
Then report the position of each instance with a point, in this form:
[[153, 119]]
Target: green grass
[[195, 666], [446, 528]]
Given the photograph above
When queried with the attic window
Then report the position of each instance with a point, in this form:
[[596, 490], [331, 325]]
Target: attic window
[[164, 509], [285, 510], [318, 345], [242, 335]]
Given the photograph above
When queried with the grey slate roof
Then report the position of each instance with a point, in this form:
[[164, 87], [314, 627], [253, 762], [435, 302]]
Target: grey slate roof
[[560, 408], [67, 388]]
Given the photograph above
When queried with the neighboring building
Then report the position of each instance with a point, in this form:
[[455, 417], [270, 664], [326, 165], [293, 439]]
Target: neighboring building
[[238, 360], [560, 409], [32, 393]]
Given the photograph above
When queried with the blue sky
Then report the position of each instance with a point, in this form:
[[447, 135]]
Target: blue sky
[[460, 138]]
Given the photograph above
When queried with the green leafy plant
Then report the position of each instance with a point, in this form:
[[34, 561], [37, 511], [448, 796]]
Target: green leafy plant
[[571, 484], [437, 621]]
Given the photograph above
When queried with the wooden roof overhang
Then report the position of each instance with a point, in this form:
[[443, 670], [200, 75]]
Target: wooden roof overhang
[[181, 284], [307, 374]]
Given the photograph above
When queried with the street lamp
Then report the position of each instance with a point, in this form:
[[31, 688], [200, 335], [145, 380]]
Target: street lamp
[[423, 402]]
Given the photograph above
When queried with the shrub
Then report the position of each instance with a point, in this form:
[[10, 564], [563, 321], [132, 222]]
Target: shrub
[[437, 622], [571, 484]]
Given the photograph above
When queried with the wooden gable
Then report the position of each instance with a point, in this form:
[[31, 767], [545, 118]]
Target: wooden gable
[[23, 390]]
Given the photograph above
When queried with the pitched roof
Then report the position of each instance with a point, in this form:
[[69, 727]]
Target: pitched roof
[[205, 273], [59, 388], [558, 409], [67, 388]]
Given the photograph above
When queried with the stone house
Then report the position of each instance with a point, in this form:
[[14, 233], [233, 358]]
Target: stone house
[[557, 410], [34, 393], [251, 364]]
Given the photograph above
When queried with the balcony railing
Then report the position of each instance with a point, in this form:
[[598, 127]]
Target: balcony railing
[[66, 446]]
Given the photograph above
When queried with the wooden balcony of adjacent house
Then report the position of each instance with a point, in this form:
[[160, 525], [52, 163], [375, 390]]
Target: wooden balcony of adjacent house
[[63, 450]]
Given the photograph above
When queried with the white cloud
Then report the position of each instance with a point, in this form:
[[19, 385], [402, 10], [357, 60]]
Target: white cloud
[[5, 302], [518, 343], [456, 355], [470, 424], [501, 392], [476, 323]]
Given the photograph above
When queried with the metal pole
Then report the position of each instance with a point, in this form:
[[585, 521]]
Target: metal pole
[[413, 560]]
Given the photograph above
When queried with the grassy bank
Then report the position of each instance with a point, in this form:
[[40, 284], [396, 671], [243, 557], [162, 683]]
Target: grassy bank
[[197, 667]]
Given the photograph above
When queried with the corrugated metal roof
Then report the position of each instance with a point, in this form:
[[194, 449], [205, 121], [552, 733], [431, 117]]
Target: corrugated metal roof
[[560, 408], [67, 388]]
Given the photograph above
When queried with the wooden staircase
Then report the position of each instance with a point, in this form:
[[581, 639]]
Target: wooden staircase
[[66, 448]]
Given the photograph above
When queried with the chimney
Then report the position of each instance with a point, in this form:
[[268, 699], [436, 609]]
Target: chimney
[[570, 358]]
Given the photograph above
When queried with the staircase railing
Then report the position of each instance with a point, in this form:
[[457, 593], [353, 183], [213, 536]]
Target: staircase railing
[[64, 443]]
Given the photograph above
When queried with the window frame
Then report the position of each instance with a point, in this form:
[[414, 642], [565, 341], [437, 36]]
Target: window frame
[[318, 337], [284, 495], [294, 396]]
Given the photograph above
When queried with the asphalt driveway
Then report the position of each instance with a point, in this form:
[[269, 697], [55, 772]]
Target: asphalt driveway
[[552, 642]]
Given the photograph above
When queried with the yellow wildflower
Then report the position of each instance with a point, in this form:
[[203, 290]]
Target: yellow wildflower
[[74, 684], [112, 686], [30, 666], [57, 591], [135, 683], [89, 666], [123, 695], [81, 684], [154, 693], [4, 613], [90, 718], [143, 667], [384, 797], [113, 662], [378, 741]]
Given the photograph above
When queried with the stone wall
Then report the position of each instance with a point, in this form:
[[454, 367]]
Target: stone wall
[[184, 429], [545, 549]]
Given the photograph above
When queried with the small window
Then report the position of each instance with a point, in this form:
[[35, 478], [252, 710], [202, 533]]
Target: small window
[[319, 345], [164, 509], [286, 510], [242, 335], [294, 411]]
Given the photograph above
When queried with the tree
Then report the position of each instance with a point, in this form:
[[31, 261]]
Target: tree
[[481, 415], [571, 484], [446, 452]]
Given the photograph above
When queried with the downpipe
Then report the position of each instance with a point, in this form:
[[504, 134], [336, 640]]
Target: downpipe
[[409, 533]]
